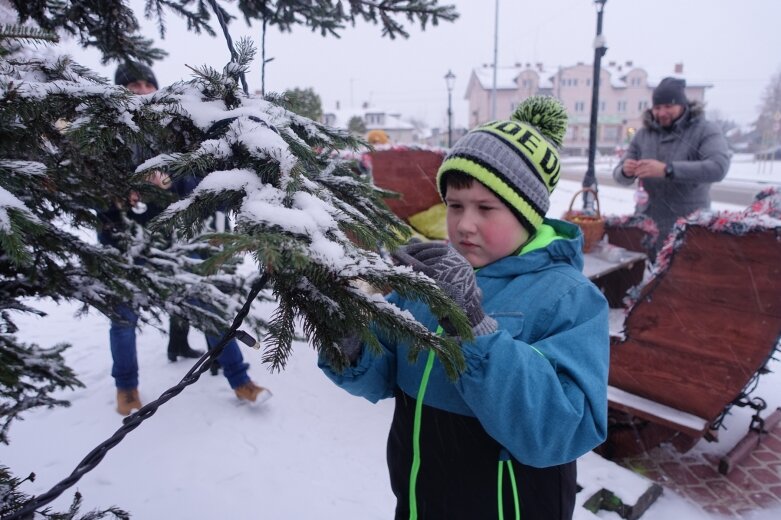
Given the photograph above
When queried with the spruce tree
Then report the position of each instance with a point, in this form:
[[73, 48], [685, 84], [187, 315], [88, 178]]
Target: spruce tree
[[312, 228], [304, 102], [768, 124]]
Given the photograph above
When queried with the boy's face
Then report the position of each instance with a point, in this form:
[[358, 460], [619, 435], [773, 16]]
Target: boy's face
[[480, 226]]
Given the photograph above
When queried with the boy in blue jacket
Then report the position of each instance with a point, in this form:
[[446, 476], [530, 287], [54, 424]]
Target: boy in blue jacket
[[501, 441]]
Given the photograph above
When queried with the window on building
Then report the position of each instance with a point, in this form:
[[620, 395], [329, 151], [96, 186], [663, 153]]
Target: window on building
[[580, 106], [575, 82], [570, 135], [622, 106], [374, 119], [602, 106], [588, 82], [642, 105], [610, 133]]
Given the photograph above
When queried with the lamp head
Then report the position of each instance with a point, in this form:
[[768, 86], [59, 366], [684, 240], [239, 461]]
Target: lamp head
[[450, 79]]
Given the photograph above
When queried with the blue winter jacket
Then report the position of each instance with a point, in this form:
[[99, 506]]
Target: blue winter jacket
[[538, 385]]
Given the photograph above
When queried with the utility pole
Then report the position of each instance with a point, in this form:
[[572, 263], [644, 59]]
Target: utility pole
[[496, 65], [590, 179]]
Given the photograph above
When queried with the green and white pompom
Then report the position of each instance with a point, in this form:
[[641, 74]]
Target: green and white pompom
[[546, 114]]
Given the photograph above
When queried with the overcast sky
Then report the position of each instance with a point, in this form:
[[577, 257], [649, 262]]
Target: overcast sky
[[732, 45]]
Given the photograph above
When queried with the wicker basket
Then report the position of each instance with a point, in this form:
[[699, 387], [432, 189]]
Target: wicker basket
[[593, 226]]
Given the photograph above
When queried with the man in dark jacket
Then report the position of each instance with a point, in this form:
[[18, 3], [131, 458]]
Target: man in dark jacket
[[140, 79], [675, 158]]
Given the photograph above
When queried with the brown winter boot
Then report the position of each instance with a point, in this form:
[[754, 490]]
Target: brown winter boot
[[249, 391], [127, 401]]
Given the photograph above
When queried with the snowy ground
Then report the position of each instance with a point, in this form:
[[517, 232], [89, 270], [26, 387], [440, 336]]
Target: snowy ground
[[311, 452]]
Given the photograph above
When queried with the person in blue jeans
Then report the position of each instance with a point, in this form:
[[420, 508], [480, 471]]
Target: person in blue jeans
[[122, 338], [140, 79]]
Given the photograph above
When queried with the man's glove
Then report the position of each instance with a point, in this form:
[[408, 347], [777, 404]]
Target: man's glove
[[455, 276]]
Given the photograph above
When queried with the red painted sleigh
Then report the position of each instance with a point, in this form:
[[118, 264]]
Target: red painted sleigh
[[700, 331]]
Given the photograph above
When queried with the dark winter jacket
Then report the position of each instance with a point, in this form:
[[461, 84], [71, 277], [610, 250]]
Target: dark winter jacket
[[699, 154], [533, 397], [112, 221]]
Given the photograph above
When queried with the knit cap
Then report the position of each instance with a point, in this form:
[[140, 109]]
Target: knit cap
[[129, 72], [670, 91], [517, 159]]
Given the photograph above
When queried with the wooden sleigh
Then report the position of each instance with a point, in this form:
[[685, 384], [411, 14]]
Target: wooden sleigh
[[409, 172], [699, 332]]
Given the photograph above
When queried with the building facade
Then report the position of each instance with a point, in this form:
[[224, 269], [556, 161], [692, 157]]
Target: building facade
[[373, 118], [624, 95]]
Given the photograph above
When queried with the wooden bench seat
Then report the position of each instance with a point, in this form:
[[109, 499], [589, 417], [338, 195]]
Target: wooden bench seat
[[655, 412]]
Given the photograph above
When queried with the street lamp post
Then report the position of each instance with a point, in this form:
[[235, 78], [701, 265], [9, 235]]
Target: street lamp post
[[450, 79], [496, 64], [590, 179]]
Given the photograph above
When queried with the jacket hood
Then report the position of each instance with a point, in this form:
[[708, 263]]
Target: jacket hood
[[694, 110], [566, 250]]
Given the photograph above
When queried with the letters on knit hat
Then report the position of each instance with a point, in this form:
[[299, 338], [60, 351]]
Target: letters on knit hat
[[517, 159]]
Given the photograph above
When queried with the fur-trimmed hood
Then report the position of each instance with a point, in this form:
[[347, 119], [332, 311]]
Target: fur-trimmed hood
[[694, 110]]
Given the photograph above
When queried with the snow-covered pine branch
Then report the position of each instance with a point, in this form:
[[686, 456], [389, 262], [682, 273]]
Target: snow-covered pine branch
[[302, 212], [69, 146], [299, 210]]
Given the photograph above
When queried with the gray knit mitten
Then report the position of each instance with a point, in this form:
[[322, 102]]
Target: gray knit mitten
[[455, 276], [351, 347]]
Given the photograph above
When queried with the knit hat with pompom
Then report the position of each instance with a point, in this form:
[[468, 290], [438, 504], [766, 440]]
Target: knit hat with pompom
[[517, 159], [131, 71]]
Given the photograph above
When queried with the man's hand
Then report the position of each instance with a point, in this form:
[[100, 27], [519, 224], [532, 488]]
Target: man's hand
[[630, 167], [649, 168], [133, 198], [159, 179]]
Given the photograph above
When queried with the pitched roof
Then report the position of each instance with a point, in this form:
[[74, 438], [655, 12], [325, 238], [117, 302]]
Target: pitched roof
[[506, 76], [393, 120]]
